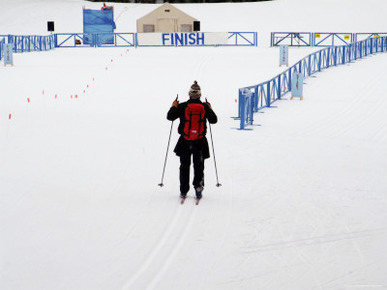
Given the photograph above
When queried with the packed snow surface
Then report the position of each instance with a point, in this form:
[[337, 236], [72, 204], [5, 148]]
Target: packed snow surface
[[83, 136]]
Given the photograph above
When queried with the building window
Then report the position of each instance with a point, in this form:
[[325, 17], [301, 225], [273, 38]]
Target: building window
[[148, 28]]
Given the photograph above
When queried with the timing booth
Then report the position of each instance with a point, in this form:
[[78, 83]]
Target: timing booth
[[98, 26]]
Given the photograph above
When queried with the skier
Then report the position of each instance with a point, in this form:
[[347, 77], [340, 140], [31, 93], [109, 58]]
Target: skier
[[193, 115]]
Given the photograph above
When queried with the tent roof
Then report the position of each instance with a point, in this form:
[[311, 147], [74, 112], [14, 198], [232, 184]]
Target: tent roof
[[167, 6]]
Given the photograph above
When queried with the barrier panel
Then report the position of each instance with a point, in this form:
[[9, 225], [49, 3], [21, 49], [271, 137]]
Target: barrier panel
[[332, 39], [365, 35], [264, 94], [291, 38], [322, 39], [242, 39], [29, 43], [246, 99], [2, 41], [95, 40]]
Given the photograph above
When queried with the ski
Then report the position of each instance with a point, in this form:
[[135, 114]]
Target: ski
[[182, 200]]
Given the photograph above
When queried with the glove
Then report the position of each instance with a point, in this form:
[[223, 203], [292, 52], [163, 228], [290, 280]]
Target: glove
[[175, 103], [209, 105]]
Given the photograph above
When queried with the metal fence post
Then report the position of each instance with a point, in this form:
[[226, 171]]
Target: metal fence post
[[268, 98], [256, 99], [279, 87], [251, 108], [242, 110]]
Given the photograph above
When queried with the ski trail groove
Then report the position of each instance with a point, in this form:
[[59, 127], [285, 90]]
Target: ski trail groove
[[175, 250], [156, 250], [163, 254]]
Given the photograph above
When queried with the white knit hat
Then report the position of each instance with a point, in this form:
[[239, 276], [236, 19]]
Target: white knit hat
[[195, 92]]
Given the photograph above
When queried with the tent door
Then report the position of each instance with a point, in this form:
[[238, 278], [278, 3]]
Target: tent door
[[167, 25]]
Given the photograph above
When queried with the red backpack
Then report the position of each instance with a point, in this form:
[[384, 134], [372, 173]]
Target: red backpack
[[194, 122]]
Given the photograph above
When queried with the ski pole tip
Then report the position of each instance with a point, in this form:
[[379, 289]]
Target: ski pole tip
[[218, 185], [161, 184]]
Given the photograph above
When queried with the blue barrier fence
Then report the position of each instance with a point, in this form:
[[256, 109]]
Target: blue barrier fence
[[2, 42], [30, 43], [322, 39], [1, 48], [365, 35], [332, 39], [291, 38], [255, 98], [41, 43], [243, 39], [95, 40]]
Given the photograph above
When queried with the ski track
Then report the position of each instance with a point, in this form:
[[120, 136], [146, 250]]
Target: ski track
[[221, 243], [175, 250], [182, 223], [162, 255], [325, 239]]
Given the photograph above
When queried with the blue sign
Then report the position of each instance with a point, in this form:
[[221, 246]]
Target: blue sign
[[297, 85], [8, 53], [284, 55]]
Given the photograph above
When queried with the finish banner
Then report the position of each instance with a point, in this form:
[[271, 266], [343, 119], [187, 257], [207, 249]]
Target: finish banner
[[182, 39]]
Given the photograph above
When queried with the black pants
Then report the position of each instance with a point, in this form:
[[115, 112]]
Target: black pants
[[198, 165]]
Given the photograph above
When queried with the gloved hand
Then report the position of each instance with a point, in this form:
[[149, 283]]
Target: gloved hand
[[209, 105], [175, 103]]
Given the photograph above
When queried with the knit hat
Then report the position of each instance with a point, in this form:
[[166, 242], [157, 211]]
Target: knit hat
[[195, 92]]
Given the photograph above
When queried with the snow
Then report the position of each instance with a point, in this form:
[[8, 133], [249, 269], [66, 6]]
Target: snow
[[303, 202]]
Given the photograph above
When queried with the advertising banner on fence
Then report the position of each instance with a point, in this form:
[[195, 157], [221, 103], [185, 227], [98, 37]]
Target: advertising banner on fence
[[8, 53], [297, 85], [284, 55], [182, 39]]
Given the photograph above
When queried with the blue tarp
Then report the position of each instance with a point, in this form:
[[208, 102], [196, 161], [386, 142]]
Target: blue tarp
[[99, 22]]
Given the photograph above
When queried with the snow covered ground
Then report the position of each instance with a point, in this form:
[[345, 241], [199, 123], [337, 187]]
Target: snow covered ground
[[303, 203]]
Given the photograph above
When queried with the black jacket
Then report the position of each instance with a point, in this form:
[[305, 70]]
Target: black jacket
[[183, 146]]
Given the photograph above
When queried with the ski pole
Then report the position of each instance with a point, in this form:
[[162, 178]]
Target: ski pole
[[161, 184], [213, 152]]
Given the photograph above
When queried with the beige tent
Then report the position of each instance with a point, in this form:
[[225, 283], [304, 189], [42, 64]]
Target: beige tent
[[166, 18]]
